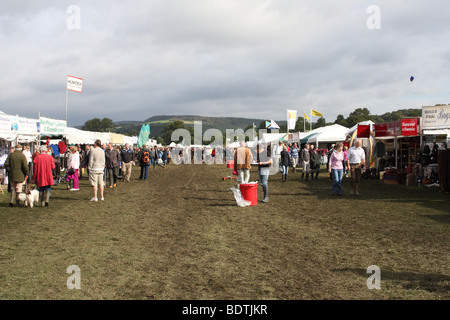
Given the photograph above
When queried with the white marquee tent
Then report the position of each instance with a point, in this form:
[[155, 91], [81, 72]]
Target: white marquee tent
[[332, 133]]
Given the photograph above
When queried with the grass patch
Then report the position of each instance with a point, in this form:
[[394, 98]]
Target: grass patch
[[180, 235]]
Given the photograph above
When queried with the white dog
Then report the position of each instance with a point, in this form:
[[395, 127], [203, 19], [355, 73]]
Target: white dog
[[32, 197]]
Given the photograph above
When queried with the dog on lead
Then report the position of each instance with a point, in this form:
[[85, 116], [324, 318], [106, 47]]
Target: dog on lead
[[32, 196]]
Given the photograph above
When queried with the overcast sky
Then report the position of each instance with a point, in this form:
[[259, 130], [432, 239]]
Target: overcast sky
[[242, 58]]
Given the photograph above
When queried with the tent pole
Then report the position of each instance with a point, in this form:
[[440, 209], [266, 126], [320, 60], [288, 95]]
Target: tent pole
[[304, 121], [67, 101], [396, 152]]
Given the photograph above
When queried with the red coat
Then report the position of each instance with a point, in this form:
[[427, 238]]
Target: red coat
[[43, 166]]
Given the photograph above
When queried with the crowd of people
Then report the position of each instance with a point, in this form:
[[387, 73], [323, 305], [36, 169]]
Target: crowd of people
[[340, 161], [105, 163]]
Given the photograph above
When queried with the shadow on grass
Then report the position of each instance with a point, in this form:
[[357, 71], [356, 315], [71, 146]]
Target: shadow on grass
[[438, 218], [228, 204], [430, 282], [292, 194], [376, 190]]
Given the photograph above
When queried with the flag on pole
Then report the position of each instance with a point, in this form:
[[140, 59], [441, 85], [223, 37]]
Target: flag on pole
[[143, 135], [272, 125], [74, 84], [291, 119], [316, 113], [306, 116]]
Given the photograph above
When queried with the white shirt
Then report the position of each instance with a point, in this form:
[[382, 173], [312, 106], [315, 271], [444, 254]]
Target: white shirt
[[28, 155], [356, 155], [74, 160], [278, 150]]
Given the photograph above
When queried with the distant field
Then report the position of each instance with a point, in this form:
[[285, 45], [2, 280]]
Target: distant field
[[180, 235], [161, 121]]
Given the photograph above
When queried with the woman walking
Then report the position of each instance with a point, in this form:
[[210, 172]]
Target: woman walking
[[73, 165], [336, 169], [285, 163]]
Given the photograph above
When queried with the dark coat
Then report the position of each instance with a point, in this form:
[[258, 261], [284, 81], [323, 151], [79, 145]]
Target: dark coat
[[17, 166], [285, 159], [112, 158]]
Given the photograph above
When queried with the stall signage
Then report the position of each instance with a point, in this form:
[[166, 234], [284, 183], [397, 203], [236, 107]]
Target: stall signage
[[52, 126], [409, 127], [436, 117], [388, 129]]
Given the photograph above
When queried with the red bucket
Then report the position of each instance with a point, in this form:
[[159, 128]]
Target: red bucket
[[250, 192], [230, 163]]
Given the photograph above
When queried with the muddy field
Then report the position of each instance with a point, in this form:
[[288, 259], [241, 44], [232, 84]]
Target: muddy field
[[180, 235]]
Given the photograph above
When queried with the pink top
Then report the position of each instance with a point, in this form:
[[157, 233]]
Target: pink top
[[336, 160]]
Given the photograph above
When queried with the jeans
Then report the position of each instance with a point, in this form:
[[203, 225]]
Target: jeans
[[144, 173], [315, 170], [285, 169], [337, 180], [264, 181]]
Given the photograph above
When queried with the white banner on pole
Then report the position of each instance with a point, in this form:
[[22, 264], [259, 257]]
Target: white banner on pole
[[291, 119], [74, 84]]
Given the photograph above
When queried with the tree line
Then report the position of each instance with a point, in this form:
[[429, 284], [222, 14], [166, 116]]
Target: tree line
[[358, 115]]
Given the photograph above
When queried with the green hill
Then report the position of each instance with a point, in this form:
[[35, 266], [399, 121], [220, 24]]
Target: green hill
[[157, 123]]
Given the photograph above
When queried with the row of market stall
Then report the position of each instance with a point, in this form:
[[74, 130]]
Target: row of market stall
[[15, 129], [33, 132], [412, 151]]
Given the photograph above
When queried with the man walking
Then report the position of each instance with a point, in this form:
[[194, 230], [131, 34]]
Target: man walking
[[144, 162], [17, 165], [264, 160], [305, 158], [43, 166], [112, 158], [356, 158], [127, 160], [242, 160], [315, 164], [294, 156], [96, 169]]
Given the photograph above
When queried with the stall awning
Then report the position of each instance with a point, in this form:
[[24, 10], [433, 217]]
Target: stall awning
[[8, 136], [305, 139], [26, 138]]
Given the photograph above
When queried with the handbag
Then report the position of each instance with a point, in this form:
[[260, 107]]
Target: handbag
[[71, 171]]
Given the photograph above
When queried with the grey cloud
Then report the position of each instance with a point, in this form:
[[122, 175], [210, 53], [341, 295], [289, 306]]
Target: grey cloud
[[231, 58]]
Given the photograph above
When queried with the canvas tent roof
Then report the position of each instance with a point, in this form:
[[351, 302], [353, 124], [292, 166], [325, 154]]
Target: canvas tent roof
[[76, 136], [272, 137], [306, 137], [333, 133]]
